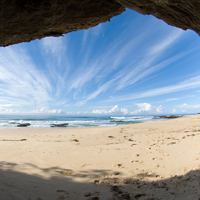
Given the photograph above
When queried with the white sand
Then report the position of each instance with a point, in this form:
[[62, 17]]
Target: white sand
[[147, 161]]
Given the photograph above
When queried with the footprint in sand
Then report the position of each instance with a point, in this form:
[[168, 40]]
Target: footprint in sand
[[90, 194], [67, 171]]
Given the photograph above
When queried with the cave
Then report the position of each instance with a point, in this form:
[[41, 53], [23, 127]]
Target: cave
[[23, 21]]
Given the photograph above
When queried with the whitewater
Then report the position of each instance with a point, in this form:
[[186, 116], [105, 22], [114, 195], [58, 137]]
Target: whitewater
[[41, 121]]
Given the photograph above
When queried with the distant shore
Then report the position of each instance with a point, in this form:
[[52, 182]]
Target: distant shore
[[151, 160]]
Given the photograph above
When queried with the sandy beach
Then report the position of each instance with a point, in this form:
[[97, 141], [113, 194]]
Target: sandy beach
[[146, 161]]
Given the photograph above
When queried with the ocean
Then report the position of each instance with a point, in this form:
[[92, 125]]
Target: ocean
[[42, 121]]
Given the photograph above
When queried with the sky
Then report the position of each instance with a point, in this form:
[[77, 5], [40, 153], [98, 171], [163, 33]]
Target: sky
[[132, 65]]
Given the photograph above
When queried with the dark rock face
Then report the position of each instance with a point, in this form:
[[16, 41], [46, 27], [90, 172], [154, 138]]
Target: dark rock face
[[23, 21], [183, 14]]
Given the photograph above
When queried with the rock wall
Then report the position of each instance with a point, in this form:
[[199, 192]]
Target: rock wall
[[26, 20], [184, 14]]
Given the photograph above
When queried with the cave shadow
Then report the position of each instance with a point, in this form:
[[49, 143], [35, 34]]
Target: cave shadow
[[30, 182]]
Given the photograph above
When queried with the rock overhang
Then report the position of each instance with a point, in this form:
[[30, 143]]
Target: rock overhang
[[23, 21]]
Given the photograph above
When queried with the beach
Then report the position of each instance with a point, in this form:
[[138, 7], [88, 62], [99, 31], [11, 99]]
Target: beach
[[145, 161]]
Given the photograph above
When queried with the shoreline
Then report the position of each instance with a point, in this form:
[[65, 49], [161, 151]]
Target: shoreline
[[150, 160], [75, 122], [90, 126]]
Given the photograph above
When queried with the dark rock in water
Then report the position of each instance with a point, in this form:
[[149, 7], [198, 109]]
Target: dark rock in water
[[23, 125], [59, 125], [116, 121], [169, 117]]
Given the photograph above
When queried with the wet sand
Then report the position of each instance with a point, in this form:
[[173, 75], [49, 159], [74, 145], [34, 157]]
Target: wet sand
[[146, 161]]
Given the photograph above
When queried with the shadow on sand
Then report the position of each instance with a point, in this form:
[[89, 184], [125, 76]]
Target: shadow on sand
[[29, 182]]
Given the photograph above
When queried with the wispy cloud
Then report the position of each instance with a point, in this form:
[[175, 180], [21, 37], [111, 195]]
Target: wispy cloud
[[97, 69], [21, 83], [54, 46], [193, 82], [165, 43], [146, 65], [171, 99], [6, 105], [68, 72], [189, 106], [93, 95], [47, 110]]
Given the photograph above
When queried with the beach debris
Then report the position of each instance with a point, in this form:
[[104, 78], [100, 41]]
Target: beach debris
[[133, 145], [96, 181], [61, 197], [117, 173], [119, 165], [125, 196], [23, 125], [67, 171], [118, 192], [137, 196], [5, 140], [110, 136], [165, 154], [128, 181], [94, 198], [75, 140], [135, 161], [59, 125], [160, 185], [63, 192], [89, 194], [115, 188], [172, 143]]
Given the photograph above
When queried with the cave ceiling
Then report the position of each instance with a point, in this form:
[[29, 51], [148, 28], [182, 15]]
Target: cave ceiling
[[26, 20]]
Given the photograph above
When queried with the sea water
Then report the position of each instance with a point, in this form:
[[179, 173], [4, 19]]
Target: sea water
[[43, 121]]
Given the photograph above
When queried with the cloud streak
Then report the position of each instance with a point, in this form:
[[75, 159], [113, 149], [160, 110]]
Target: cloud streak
[[191, 83], [105, 64]]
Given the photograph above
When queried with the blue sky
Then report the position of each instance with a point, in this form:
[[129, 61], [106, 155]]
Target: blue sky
[[134, 64]]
